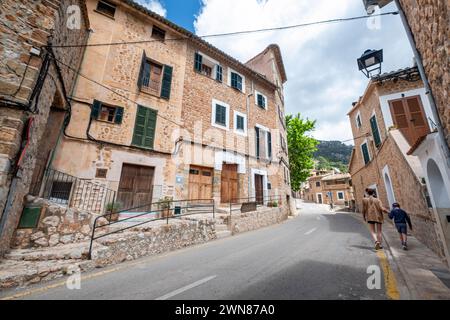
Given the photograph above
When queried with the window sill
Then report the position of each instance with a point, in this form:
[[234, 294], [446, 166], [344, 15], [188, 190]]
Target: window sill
[[142, 147], [107, 122], [104, 14], [152, 93], [206, 76], [219, 126]]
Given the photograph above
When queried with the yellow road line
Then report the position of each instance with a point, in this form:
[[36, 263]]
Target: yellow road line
[[389, 278]]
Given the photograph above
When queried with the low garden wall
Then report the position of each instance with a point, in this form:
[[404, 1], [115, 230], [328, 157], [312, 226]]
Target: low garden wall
[[264, 217]]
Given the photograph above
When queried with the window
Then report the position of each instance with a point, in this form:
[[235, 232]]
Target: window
[[106, 8], [375, 131], [144, 128], [158, 33], [260, 100], [220, 114], [60, 192], [365, 152], [208, 67], [282, 143], [101, 173], [340, 195], [236, 81], [105, 112], [155, 78], [240, 123], [317, 183], [263, 142], [358, 120]]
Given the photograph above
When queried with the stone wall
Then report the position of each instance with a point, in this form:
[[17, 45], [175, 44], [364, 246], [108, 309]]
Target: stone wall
[[264, 217], [430, 24], [153, 240], [39, 22], [57, 225]]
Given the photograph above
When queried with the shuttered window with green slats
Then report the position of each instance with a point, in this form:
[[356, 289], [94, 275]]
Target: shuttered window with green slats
[[221, 115], [144, 128], [375, 131], [365, 152]]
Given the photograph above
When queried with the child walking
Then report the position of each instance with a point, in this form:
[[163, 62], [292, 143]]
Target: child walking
[[401, 218]]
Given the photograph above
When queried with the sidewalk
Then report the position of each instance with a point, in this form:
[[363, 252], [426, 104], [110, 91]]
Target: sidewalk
[[425, 275]]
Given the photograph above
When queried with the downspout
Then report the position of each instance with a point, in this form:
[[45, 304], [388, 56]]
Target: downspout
[[429, 93], [248, 142]]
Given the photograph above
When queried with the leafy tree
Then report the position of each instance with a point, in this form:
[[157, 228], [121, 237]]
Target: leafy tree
[[301, 148]]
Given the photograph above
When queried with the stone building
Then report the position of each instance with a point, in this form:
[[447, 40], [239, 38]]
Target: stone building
[[386, 122], [33, 88], [328, 186], [172, 116]]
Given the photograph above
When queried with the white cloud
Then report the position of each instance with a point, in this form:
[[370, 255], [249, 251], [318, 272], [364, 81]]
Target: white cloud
[[154, 5], [320, 60]]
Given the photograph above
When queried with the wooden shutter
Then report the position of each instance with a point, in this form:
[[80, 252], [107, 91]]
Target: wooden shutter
[[219, 73], [375, 132], [257, 141], [269, 144], [365, 152], [144, 128], [95, 109], [119, 115], [198, 62], [221, 115], [166, 82], [141, 71]]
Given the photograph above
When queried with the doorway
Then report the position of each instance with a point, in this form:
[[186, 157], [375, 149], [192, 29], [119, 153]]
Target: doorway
[[200, 183], [259, 189], [229, 183], [319, 198], [136, 187]]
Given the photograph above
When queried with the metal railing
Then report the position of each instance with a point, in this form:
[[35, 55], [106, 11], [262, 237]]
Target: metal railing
[[62, 188], [171, 210]]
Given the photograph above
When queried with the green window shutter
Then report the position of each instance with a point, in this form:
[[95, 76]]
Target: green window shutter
[[219, 71], [119, 115], [166, 82], [257, 141], [198, 62], [365, 152], [141, 71], [240, 123], [269, 143], [149, 137], [236, 81], [375, 132], [260, 101], [139, 126], [95, 110], [221, 117], [30, 217], [145, 127]]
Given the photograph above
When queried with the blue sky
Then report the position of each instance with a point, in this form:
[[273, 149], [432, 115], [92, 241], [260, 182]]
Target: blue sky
[[182, 12], [320, 61]]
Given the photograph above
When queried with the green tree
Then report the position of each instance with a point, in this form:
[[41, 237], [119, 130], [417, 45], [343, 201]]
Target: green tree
[[301, 148]]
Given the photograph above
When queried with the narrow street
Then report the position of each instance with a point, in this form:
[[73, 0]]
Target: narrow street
[[318, 255]]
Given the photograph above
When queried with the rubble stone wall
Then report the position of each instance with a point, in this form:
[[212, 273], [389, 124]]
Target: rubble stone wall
[[258, 219]]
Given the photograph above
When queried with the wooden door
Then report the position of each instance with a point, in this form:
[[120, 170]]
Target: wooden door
[[229, 183], [409, 117], [259, 190], [200, 183], [135, 187]]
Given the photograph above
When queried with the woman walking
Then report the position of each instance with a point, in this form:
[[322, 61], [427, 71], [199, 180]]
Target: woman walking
[[373, 214]]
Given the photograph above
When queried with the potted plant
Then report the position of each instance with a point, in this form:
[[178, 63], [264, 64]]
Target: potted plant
[[113, 208], [164, 206]]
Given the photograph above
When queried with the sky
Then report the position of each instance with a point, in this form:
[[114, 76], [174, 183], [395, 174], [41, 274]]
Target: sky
[[320, 61]]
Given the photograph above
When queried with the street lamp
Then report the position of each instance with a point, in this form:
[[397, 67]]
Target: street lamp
[[370, 5], [370, 62]]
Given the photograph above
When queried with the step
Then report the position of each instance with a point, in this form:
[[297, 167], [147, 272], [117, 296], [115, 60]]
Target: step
[[223, 234], [70, 251], [221, 227]]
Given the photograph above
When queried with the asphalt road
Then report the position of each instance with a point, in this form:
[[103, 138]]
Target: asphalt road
[[318, 255]]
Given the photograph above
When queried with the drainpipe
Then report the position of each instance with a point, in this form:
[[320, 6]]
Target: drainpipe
[[248, 142], [429, 93]]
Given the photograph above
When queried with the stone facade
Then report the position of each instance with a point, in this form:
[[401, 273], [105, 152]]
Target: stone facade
[[395, 175], [258, 219], [429, 21], [28, 24], [322, 182]]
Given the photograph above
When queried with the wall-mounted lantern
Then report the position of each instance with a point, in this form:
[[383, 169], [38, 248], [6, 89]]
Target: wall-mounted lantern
[[370, 5], [370, 62]]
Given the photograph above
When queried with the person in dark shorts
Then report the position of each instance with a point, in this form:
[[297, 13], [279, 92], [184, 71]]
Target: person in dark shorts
[[402, 221]]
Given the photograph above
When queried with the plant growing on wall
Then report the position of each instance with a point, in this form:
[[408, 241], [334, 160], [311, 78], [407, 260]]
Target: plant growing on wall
[[164, 205], [301, 147], [113, 208]]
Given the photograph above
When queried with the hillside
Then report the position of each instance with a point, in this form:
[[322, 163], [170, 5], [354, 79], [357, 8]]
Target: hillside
[[333, 154]]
